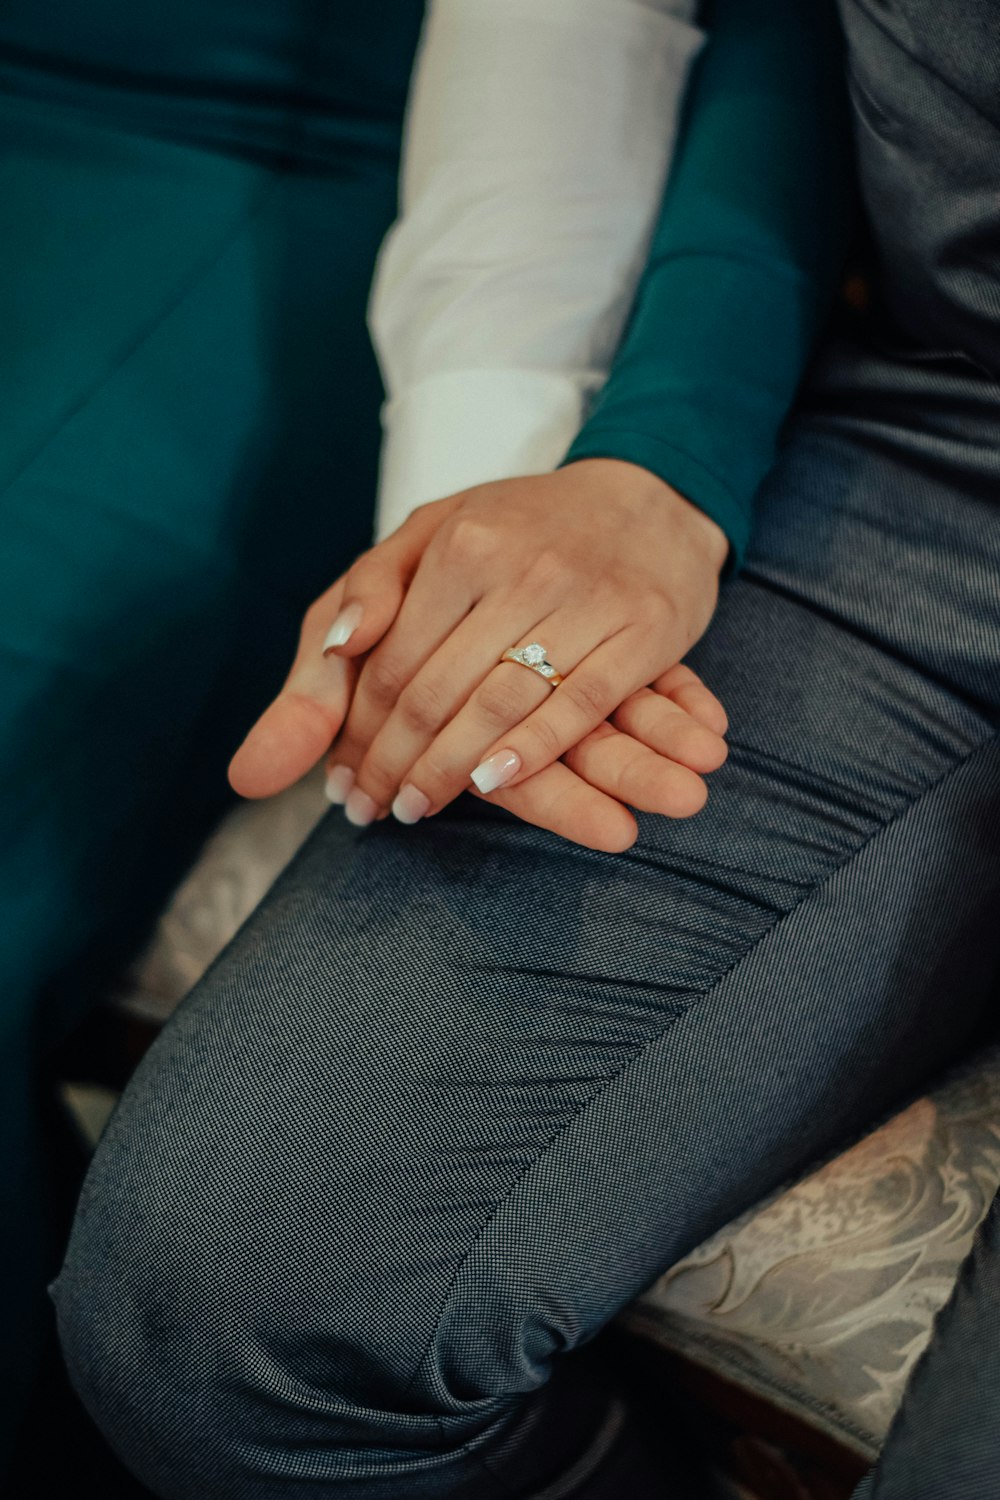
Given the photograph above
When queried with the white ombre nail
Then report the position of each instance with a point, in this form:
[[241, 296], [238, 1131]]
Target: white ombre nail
[[343, 627], [359, 809], [339, 780], [496, 770], [411, 804]]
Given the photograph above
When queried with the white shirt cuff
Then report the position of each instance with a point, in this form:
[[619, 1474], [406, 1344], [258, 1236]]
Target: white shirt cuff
[[467, 427]]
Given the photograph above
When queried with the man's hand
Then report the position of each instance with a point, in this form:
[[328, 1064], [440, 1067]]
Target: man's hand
[[297, 729], [653, 756]]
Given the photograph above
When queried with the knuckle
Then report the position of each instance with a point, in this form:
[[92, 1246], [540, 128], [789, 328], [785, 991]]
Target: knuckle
[[374, 779], [545, 738], [434, 778], [351, 741], [634, 781], [631, 716], [656, 612], [316, 620], [470, 541], [383, 680], [347, 750], [588, 694], [500, 704], [357, 577], [549, 571], [421, 515], [420, 707]]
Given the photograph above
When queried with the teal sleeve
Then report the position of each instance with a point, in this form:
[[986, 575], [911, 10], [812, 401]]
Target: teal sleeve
[[743, 263]]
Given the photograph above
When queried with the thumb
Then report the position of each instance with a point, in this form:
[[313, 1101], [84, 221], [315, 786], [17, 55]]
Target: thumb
[[296, 729]]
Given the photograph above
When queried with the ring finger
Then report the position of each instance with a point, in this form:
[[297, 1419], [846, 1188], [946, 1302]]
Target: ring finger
[[433, 609], [446, 744]]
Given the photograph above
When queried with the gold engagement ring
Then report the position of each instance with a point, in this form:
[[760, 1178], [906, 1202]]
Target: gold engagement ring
[[533, 656]]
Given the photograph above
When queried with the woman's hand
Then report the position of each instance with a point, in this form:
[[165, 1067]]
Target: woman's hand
[[603, 563], [653, 756]]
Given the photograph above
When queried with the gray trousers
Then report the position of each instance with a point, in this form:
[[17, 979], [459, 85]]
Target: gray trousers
[[457, 1093]]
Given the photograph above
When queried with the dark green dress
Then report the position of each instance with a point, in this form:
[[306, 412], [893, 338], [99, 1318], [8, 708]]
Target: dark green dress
[[191, 198]]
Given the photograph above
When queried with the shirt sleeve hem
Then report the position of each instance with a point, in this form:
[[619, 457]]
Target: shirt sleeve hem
[[461, 428], [677, 468]]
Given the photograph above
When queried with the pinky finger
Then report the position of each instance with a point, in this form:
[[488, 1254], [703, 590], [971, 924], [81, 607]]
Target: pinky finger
[[623, 768], [664, 726], [688, 691], [557, 799]]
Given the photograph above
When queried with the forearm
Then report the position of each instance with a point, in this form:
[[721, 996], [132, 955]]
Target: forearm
[[539, 133], [743, 263]]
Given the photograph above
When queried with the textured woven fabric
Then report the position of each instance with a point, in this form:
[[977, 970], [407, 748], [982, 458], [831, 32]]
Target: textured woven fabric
[[925, 86], [188, 453], [457, 1093]]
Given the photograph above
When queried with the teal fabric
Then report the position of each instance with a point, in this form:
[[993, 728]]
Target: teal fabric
[[744, 261], [190, 204], [188, 449]]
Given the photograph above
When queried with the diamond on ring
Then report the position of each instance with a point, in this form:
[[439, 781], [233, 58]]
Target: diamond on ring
[[533, 656]]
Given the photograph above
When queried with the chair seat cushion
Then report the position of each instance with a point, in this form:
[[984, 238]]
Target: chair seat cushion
[[820, 1299]]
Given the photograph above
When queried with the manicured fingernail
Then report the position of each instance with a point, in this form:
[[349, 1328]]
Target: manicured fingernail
[[339, 780], [343, 627], [496, 770], [410, 804], [359, 808]]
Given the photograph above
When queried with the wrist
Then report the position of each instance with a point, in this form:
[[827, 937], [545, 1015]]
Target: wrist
[[633, 484]]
